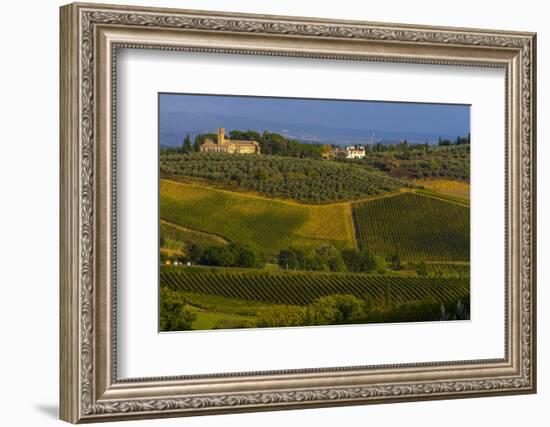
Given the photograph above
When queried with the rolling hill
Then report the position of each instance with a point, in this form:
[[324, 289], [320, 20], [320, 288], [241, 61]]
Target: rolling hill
[[303, 180], [414, 226], [262, 224]]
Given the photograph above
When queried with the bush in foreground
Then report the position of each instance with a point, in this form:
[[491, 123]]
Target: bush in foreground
[[174, 316]]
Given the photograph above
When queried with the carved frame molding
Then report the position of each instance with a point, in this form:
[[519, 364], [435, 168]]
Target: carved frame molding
[[90, 36]]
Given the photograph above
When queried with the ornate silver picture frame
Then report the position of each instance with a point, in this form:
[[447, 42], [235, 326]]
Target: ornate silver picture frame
[[91, 34]]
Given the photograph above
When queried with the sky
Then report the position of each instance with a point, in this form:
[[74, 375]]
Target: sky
[[450, 119]]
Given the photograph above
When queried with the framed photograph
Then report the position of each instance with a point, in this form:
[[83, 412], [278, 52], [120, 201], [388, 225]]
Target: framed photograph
[[313, 220], [267, 212]]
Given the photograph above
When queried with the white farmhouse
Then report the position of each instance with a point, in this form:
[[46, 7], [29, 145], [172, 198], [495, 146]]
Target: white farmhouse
[[355, 152]]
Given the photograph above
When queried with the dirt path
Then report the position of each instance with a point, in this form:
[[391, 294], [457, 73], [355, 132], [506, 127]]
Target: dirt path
[[191, 230]]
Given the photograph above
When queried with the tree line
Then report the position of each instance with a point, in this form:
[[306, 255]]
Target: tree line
[[278, 145], [231, 255], [341, 309], [405, 146], [328, 258], [325, 258], [335, 309]]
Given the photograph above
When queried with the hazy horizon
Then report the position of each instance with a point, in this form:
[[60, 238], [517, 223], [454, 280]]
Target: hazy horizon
[[315, 120]]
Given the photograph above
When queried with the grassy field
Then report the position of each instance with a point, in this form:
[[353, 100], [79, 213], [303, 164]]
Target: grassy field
[[415, 227], [301, 288], [215, 312], [207, 320], [459, 189], [172, 252], [265, 225]]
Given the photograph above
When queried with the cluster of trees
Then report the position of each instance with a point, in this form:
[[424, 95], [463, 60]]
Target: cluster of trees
[[362, 260], [328, 258], [231, 255], [278, 145], [174, 315], [348, 309], [323, 258], [306, 180], [328, 310], [187, 147], [452, 161], [460, 140]]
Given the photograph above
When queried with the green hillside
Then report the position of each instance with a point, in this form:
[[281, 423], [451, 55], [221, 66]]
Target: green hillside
[[264, 225], [414, 226], [303, 180]]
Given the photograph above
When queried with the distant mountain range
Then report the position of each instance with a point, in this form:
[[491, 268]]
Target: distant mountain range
[[175, 125]]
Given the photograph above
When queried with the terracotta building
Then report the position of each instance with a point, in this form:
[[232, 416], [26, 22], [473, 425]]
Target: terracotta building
[[224, 145]]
